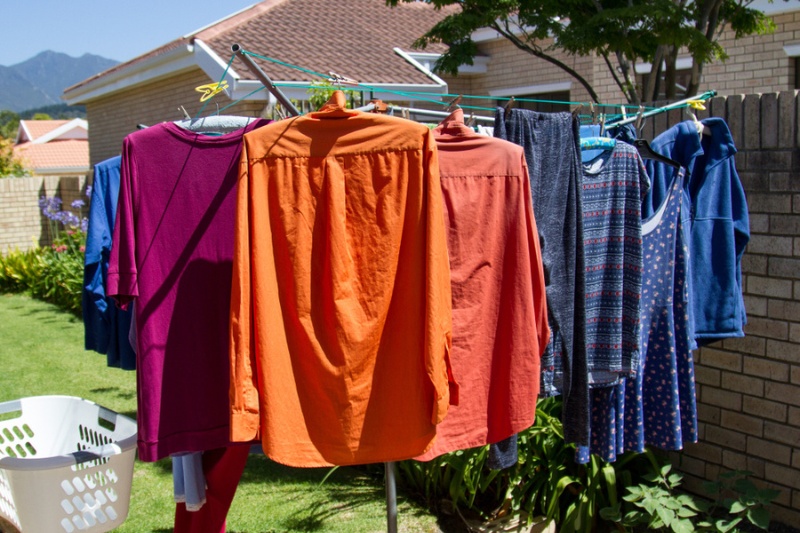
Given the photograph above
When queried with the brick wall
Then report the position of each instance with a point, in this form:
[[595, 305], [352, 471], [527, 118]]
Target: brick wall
[[749, 389], [22, 224], [756, 64]]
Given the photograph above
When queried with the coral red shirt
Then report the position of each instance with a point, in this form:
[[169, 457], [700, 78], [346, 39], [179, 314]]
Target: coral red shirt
[[340, 311], [499, 303]]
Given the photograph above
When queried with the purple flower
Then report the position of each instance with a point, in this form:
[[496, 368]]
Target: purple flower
[[88, 191], [70, 219], [84, 224], [78, 204]]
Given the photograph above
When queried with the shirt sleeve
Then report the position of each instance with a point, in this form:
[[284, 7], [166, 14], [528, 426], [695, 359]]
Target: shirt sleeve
[[122, 282], [439, 309], [243, 392]]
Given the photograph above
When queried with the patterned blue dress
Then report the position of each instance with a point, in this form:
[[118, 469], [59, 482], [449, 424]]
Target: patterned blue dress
[[657, 406]]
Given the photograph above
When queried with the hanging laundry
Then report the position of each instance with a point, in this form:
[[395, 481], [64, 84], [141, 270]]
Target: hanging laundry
[[550, 141], [341, 304], [614, 183], [499, 303], [657, 406], [717, 222], [106, 327], [172, 254]]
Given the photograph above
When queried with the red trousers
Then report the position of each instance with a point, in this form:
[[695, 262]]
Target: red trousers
[[222, 467]]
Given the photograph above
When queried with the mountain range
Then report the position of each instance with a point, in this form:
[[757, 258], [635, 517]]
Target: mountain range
[[40, 80]]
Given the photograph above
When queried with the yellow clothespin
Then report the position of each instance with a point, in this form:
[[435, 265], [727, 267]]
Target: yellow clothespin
[[699, 105], [211, 89]]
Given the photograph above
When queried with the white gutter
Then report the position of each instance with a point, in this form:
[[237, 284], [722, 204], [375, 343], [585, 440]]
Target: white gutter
[[64, 128], [533, 89], [439, 81], [168, 63], [682, 63]]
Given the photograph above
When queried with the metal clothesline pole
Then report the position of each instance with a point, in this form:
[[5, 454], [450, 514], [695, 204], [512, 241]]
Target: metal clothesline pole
[[391, 498], [436, 113], [263, 78], [663, 109]]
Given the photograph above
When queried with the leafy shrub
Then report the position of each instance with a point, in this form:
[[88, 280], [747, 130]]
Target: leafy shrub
[[658, 506], [546, 481], [53, 273]]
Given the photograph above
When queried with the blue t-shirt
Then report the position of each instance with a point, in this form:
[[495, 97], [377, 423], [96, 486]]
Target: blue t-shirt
[[106, 326]]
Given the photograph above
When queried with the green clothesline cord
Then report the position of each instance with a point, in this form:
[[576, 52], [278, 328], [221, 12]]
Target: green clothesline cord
[[361, 87]]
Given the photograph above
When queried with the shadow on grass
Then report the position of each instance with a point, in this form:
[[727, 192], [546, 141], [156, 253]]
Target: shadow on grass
[[53, 319], [116, 391]]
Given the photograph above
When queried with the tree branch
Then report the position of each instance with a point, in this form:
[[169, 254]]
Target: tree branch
[[538, 52]]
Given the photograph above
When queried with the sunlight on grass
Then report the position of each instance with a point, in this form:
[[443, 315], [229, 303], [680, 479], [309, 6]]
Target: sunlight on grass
[[41, 352]]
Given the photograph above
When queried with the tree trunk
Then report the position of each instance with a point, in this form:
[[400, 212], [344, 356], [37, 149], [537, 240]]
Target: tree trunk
[[650, 91], [670, 76]]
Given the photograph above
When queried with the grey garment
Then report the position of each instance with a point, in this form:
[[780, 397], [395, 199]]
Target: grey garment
[[552, 150], [503, 454]]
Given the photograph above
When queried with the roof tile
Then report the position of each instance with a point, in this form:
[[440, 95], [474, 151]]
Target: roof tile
[[354, 38], [71, 153]]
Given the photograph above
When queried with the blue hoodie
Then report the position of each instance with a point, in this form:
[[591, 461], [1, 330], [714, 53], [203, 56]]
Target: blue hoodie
[[719, 224]]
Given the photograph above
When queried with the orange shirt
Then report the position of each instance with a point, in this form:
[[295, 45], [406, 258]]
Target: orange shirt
[[499, 301], [341, 310]]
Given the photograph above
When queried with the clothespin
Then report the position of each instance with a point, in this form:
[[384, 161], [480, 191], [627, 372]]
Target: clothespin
[[406, 113], [639, 117], [699, 105], [380, 106], [211, 89], [185, 114], [577, 110], [602, 124], [339, 80], [509, 105], [622, 111], [453, 105], [471, 121], [593, 113]]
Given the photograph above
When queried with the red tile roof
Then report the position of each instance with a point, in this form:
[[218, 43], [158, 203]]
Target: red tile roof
[[354, 38], [67, 154]]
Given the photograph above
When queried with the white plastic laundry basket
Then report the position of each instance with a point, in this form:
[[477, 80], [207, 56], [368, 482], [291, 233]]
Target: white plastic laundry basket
[[66, 465]]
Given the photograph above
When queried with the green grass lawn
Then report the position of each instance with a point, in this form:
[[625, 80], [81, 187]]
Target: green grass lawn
[[41, 352]]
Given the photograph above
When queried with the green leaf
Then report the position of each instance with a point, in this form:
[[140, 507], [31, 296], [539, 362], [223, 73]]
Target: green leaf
[[758, 516], [682, 526], [674, 479], [737, 507], [665, 515], [723, 526], [612, 514]]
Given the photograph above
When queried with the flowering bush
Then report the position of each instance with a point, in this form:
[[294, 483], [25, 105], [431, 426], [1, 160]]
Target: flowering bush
[[52, 273]]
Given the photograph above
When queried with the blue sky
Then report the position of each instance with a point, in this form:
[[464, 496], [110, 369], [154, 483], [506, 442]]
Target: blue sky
[[119, 30]]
